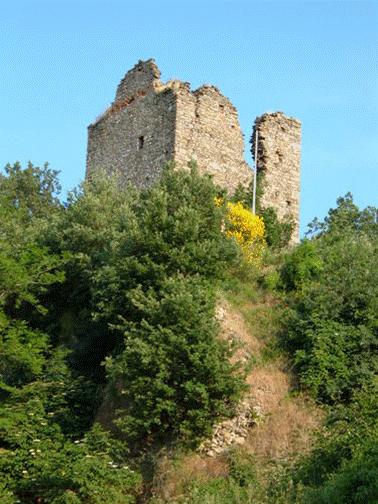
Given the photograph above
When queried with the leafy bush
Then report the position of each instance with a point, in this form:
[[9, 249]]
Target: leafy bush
[[277, 232], [336, 360], [331, 332], [44, 407], [332, 323], [174, 373], [39, 463], [118, 274], [129, 278], [301, 266], [154, 292], [342, 466], [356, 483], [247, 229]]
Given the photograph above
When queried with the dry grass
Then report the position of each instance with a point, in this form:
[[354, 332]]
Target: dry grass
[[172, 477], [233, 327], [289, 421], [286, 432], [269, 385]]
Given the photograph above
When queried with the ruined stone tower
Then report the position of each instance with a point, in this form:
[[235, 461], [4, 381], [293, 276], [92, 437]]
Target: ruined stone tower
[[279, 159], [150, 123]]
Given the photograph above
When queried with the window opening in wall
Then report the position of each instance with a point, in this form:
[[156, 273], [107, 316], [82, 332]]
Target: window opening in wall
[[140, 142]]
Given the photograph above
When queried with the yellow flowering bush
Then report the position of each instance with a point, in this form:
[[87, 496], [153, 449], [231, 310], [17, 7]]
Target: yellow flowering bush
[[248, 230]]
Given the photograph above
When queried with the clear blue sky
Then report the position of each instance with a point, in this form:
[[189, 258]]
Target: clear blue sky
[[62, 60]]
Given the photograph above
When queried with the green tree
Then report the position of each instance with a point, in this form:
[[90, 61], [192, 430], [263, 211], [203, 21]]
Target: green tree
[[332, 324], [174, 373], [342, 466], [155, 292], [46, 449]]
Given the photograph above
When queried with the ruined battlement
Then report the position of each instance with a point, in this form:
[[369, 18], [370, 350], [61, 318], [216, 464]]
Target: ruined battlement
[[150, 123], [144, 77]]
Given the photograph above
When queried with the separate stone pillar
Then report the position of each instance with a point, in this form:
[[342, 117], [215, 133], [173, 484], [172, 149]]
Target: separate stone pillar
[[279, 158]]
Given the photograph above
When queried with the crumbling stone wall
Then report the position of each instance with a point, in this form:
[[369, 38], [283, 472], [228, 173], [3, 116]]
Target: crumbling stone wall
[[208, 131], [279, 158], [150, 123], [135, 136], [143, 78]]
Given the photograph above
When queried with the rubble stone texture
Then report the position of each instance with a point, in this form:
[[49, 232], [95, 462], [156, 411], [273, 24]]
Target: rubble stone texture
[[150, 123], [234, 431], [279, 158]]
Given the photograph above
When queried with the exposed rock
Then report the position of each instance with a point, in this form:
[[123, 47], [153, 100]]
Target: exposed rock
[[233, 431]]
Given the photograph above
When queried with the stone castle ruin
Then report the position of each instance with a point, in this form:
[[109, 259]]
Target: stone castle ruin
[[150, 123]]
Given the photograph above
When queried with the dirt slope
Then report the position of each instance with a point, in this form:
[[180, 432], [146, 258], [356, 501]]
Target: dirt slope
[[285, 422]]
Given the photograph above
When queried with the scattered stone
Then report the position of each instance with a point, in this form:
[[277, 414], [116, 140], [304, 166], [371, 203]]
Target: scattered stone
[[233, 431]]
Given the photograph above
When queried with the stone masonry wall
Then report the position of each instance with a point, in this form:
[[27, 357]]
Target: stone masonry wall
[[150, 123], [135, 136], [279, 153], [208, 131], [143, 78]]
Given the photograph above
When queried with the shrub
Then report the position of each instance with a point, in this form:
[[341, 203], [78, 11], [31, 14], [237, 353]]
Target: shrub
[[331, 331], [334, 358], [356, 482], [247, 229], [301, 266], [151, 290], [39, 463], [44, 413], [342, 467], [278, 232], [174, 373]]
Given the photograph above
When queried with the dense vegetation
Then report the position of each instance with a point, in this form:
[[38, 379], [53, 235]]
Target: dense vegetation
[[331, 332], [111, 293], [110, 299]]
